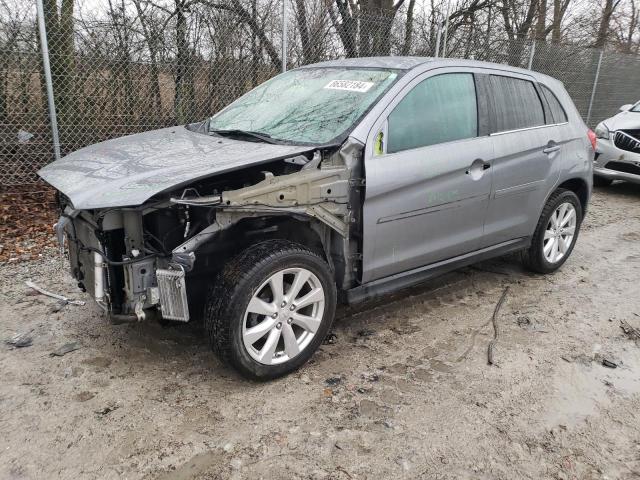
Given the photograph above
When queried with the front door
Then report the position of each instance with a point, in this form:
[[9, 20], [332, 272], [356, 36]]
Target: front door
[[428, 177]]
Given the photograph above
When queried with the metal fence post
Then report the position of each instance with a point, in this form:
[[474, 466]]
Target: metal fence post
[[446, 31], [531, 55], [284, 35], [595, 86], [47, 76]]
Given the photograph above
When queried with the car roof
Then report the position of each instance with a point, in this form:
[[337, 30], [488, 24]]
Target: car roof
[[409, 63], [400, 63]]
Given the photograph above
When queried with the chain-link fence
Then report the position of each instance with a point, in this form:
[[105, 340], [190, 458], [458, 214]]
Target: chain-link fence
[[139, 66]]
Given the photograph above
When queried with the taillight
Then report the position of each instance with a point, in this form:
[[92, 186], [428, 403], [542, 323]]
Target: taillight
[[592, 138]]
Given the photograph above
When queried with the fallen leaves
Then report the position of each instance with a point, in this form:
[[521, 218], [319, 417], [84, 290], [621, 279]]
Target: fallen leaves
[[27, 215]]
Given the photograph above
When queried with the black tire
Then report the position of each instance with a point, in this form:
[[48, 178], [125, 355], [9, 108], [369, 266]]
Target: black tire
[[601, 181], [533, 258], [237, 283]]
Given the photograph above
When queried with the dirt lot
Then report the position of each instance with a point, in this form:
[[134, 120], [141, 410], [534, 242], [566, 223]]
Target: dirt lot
[[404, 391]]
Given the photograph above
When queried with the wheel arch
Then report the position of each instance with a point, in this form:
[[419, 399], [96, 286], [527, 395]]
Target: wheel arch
[[300, 229], [580, 187], [577, 185]]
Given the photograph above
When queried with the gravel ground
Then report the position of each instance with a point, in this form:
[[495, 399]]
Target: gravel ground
[[404, 391]]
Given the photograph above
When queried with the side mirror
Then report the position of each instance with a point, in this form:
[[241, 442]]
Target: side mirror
[[626, 107]]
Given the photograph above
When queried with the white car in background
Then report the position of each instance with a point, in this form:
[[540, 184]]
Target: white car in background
[[618, 147]]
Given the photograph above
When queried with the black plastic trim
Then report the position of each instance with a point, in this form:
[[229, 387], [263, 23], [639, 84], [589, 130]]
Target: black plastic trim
[[404, 280]]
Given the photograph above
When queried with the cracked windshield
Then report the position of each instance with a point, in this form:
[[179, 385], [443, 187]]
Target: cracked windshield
[[307, 106]]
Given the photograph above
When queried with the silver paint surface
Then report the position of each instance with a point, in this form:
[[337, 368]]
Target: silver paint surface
[[128, 171], [422, 208], [426, 195], [609, 151]]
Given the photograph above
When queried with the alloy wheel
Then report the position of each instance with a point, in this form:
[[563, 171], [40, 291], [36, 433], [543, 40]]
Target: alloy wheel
[[283, 316], [559, 233]]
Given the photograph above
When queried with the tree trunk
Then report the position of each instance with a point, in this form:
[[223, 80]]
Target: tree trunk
[[346, 27], [557, 21], [541, 25], [605, 21], [155, 99], [272, 52], [376, 20], [308, 52], [408, 29], [633, 24]]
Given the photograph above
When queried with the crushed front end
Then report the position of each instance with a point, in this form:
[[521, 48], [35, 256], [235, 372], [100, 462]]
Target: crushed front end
[[160, 258], [118, 257]]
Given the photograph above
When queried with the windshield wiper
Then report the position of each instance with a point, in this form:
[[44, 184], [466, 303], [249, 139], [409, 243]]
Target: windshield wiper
[[263, 137]]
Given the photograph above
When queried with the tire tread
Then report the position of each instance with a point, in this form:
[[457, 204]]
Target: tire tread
[[532, 257], [236, 273]]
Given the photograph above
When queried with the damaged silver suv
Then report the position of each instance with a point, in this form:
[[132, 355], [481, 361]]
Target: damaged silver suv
[[340, 180]]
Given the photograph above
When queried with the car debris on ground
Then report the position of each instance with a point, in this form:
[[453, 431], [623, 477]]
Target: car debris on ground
[[20, 340], [61, 298], [66, 348], [631, 332], [161, 404]]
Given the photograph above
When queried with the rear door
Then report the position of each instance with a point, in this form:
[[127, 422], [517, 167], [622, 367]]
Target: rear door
[[428, 175], [527, 148]]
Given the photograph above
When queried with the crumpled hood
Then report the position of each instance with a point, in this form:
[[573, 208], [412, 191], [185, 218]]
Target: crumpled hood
[[127, 171], [624, 121]]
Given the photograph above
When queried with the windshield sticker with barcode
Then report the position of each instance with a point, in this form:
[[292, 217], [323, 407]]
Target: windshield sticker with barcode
[[350, 85]]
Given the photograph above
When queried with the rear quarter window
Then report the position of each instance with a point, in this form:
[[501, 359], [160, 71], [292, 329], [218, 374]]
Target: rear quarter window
[[515, 102], [557, 111]]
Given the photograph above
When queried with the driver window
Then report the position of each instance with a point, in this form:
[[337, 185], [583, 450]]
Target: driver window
[[439, 109]]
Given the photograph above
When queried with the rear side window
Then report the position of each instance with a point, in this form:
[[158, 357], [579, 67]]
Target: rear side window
[[557, 112], [516, 103], [439, 109]]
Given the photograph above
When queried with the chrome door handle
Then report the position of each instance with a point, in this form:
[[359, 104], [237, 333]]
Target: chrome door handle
[[555, 148], [477, 168], [485, 166]]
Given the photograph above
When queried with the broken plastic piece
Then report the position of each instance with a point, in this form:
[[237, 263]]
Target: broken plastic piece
[[30, 284]]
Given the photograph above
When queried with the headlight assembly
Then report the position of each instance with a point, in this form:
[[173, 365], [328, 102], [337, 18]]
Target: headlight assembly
[[602, 131]]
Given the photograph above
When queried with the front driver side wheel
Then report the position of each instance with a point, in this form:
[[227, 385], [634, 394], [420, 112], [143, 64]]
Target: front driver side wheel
[[556, 233], [270, 308]]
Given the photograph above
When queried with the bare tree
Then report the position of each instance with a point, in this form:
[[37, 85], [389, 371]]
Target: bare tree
[[258, 30], [153, 40], [408, 29], [559, 10], [541, 26], [518, 17], [626, 27], [605, 21]]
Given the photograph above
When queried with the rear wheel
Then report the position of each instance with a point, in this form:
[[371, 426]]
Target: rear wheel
[[601, 181], [270, 308], [556, 233]]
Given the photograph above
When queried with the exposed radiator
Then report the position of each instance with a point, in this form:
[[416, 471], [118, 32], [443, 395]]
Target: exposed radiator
[[173, 295]]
